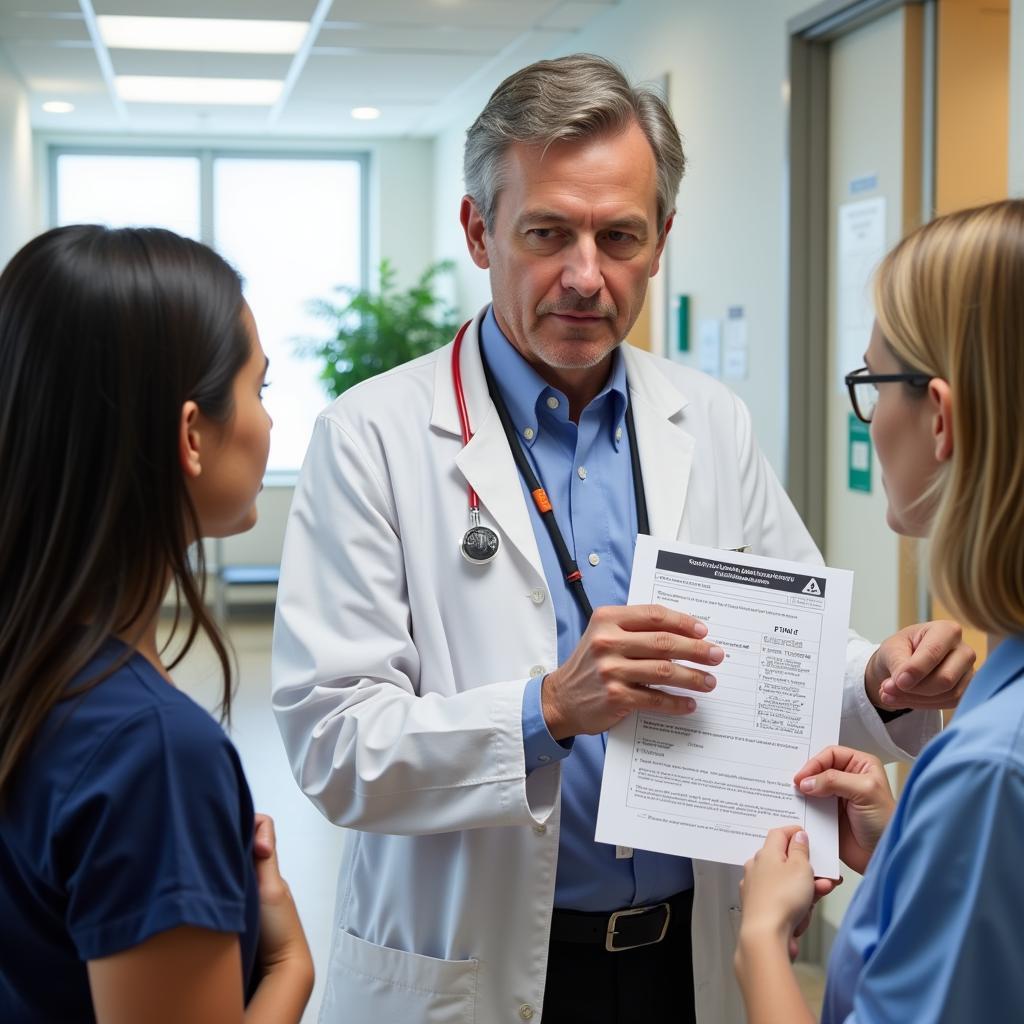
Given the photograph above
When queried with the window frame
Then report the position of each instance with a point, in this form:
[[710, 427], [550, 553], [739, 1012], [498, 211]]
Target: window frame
[[207, 156]]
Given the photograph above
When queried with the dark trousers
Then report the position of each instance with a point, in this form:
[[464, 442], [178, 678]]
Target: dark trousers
[[587, 984]]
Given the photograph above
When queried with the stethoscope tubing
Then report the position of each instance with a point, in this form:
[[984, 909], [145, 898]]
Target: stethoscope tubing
[[570, 570]]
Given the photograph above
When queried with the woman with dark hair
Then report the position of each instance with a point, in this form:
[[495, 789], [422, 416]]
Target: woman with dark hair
[[131, 426]]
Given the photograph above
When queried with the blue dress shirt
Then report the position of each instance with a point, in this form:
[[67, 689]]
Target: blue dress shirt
[[934, 931], [586, 472]]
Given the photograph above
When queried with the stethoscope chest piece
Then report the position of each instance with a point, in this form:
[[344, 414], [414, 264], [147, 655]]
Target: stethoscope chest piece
[[479, 544]]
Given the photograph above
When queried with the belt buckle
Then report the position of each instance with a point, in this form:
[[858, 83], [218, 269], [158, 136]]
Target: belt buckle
[[609, 937]]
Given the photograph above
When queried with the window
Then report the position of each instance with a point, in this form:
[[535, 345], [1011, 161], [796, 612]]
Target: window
[[293, 227]]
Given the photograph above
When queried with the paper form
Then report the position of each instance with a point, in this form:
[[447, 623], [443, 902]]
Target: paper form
[[712, 784]]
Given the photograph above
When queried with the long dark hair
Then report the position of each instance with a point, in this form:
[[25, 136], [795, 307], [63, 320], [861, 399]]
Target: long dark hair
[[104, 335]]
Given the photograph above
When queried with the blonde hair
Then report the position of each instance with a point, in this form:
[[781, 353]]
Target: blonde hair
[[950, 302]]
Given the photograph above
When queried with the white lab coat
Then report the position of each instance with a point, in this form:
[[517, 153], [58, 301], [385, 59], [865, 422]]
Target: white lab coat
[[399, 668]]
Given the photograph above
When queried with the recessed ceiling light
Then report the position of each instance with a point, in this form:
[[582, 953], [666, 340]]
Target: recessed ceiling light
[[256, 92], [365, 113], [58, 107], [202, 35]]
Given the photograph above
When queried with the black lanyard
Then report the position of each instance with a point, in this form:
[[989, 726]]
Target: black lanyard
[[570, 570]]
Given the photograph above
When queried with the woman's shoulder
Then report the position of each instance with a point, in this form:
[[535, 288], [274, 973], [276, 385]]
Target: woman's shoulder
[[130, 721], [975, 763]]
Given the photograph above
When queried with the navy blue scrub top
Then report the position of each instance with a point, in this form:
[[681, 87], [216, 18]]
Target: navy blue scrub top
[[130, 815]]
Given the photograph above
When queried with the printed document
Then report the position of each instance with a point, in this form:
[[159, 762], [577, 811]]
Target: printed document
[[712, 784]]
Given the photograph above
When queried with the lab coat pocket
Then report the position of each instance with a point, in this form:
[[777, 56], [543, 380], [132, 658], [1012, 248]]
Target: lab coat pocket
[[367, 982]]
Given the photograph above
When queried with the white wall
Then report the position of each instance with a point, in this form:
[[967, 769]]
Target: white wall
[[17, 219], [727, 66]]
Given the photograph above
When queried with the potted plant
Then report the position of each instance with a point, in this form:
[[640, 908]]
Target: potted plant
[[377, 330]]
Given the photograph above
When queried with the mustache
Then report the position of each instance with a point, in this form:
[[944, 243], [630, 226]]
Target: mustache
[[592, 307]]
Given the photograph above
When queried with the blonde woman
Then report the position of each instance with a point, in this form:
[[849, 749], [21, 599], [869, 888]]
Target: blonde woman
[[933, 933]]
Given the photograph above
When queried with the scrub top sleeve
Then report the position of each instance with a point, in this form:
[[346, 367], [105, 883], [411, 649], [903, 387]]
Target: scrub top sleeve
[[156, 833], [951, 903]]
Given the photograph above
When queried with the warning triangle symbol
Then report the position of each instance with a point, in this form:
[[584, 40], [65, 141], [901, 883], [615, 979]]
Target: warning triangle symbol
[[812, 588]]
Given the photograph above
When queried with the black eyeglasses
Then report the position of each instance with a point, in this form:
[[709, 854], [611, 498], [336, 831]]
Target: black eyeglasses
[[864, 394]]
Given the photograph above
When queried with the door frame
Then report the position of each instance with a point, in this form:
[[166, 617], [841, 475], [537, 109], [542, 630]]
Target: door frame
[[807, 217]]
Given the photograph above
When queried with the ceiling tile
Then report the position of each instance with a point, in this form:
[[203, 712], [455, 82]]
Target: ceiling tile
[[163, 117], [428, 39], [574, 14], [36, 29], [39, 8], [70, 69], [383, 79], [321, 118], [93, 110], [519, 15]]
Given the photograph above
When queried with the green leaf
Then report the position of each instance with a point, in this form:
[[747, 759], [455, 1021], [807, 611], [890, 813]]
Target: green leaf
[[374, 331]]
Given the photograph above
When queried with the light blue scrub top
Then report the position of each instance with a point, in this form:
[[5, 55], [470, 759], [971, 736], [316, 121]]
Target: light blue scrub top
[[936, 930]]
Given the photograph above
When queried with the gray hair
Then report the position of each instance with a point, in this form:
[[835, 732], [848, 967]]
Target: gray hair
[[572, 97]]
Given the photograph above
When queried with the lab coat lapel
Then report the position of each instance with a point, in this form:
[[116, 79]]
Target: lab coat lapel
[[486, 462], [666, 449]]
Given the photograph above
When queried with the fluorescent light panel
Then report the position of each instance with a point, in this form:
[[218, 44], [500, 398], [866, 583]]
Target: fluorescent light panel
[[201, 35], [58, 107], [365, 113], [255, 92]]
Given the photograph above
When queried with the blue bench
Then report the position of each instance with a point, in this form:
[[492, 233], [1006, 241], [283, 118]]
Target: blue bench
[[241, 576]]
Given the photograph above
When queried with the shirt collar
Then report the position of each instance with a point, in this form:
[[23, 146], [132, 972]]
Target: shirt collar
[[1002, 666], [524, 390]]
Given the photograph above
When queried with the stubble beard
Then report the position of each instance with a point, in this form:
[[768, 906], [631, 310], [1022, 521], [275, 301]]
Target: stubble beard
[[560, 354]]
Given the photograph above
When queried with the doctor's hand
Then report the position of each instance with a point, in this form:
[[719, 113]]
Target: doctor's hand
[[866, 802], [624, 652], [922, 666]]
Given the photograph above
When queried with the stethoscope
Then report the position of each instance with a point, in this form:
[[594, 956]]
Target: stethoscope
[[480, 543]]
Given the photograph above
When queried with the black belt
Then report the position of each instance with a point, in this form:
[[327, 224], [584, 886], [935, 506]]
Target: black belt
[[628, 928]]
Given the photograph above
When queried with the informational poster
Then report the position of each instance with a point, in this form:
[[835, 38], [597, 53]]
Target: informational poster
[[861, 246], [734, 345], [858, 455], [709, 347], [712, 784]]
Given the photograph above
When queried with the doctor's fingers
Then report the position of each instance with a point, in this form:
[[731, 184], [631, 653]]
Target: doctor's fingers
[[668, 646], [665, 673], [948, 678], [649, 698], [923, 702], [940, 656], [653, 618]]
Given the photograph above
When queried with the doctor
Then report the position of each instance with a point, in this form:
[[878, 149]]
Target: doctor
[[443, 691]]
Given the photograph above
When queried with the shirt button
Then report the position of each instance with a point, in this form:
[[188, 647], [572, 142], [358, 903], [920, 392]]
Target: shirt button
[[552, 402], [526, 1011], [540, 830], [582, 472], [528, 433], [537, 596], [543, 758], [537, 670], [618, 433], [594, 558]]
